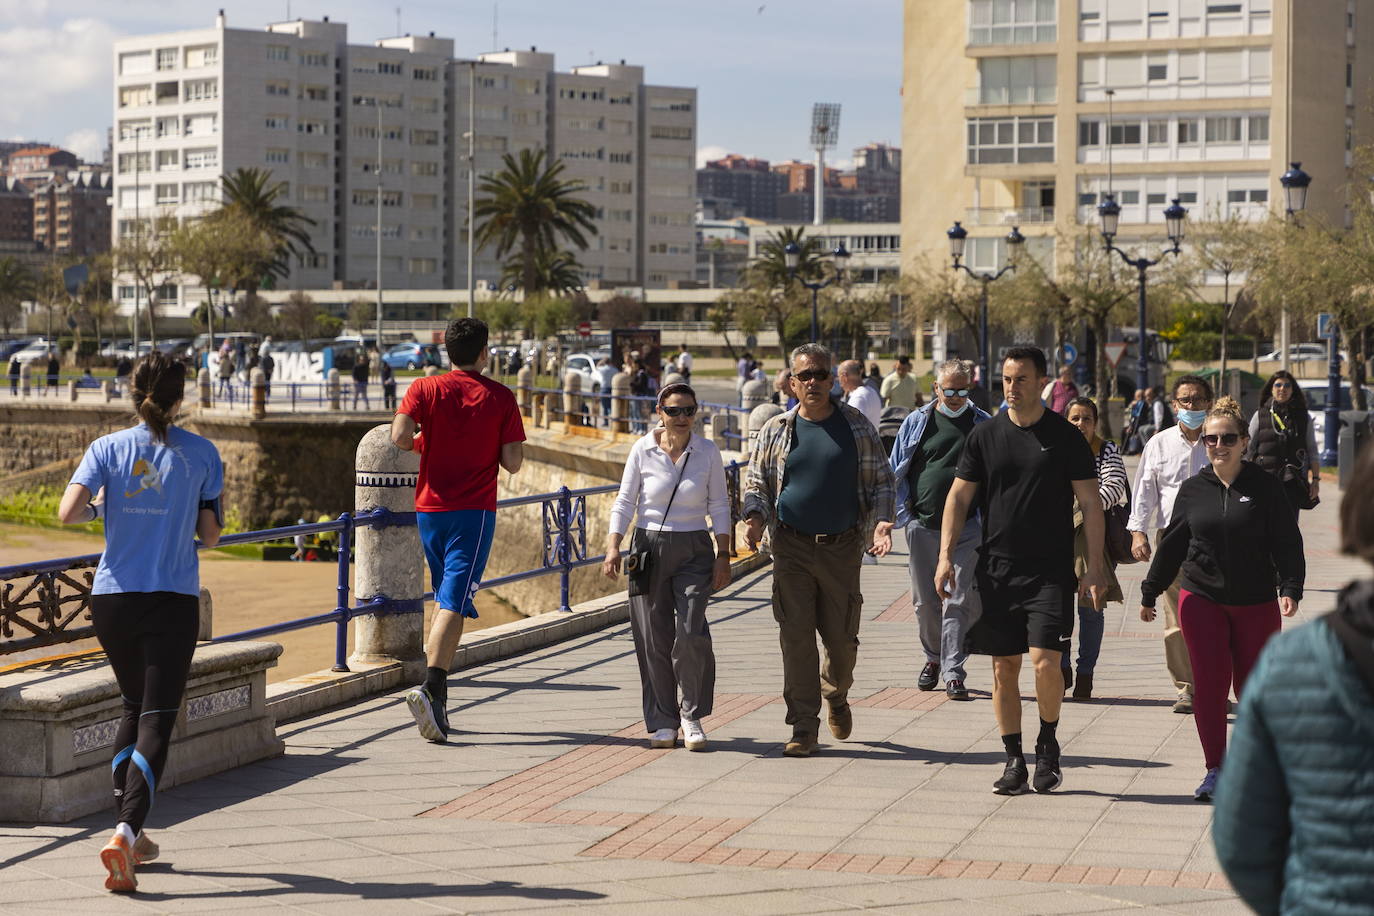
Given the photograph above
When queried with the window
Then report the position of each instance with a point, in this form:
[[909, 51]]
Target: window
[[621, 187], [491, 112], [315, 59], [1223, 130], [621, 158], [168, 126], [312, 127], [278, 156], [659, 161], [1259, 129], [167, 160], [1188, 133], [424, 138], [1015, 80], [424, 106], [365, 198], [392, 199], [490, 144], [389, 69], [1126, 134], [135, 96], [424, 169], [424, 73], [491, 82], [669, 219], [276, 122], [1223, 9], [1011, 21], [525, 117], [365, 131], [135, 62], [200, 90], [1156, 198], [202, 56], [1156, 72], [1260, 59], [672, 190], [424, 201], [665, 132], [201, 125], [993, 140], [1189, 66], [1157, 133], [315, 93], [201, 190], [528, 86], [1089, 133], [621, 216], [423, 265], [130, 129], [278, 52], [1225, 66], [669, 104], [314, 193], [279, 88], [314, 160], [130, 163], [579, 123], [166, 58], [207, 158]]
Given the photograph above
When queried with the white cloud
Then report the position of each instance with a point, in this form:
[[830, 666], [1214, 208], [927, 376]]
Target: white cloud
[[88, 143], [59, 68], [707, 153]]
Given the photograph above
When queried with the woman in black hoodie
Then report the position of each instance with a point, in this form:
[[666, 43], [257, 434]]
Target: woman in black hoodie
[[1233, 535]]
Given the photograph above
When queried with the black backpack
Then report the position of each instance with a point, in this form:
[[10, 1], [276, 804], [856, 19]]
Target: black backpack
[[1169, 418]]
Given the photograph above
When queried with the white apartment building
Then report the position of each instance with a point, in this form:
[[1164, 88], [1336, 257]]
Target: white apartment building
[[296, 98]]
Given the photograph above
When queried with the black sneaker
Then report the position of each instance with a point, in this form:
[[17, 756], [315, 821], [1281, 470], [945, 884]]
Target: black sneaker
[[1047, 775], [956, 690], [430, 717], [1013, 781], [930, 676]]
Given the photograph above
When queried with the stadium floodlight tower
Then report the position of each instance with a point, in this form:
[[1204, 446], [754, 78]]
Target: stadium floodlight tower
[[825, 131]]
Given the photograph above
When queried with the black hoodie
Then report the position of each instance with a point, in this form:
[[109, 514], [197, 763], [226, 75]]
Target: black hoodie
[[1232, 543]]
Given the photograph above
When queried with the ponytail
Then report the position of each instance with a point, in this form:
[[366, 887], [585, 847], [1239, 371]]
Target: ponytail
[[159, 383]]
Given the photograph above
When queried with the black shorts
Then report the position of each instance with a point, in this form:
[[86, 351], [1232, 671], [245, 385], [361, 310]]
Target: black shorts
[[1024, 606]]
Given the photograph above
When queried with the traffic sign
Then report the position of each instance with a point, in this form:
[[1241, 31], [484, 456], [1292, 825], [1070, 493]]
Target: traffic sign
[[1324, 323], [1068, 354], [584, 329], [1114, 352]]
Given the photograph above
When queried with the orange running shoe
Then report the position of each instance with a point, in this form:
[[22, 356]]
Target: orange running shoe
[[145, 850], [118, 860]]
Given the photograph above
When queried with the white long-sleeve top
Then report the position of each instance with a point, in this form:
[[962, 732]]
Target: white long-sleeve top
[[1168, 460], [648, 482]]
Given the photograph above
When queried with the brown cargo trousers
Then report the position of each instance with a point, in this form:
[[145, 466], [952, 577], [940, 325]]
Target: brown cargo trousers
[[816, 591]]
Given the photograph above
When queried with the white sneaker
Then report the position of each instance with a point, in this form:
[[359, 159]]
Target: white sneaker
[[664, 737], [692, 735]]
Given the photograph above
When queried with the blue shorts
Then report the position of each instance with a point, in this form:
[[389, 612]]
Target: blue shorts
[[456, 545]]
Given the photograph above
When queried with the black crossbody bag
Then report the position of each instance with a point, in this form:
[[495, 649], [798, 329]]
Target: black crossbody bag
[[637, 561]]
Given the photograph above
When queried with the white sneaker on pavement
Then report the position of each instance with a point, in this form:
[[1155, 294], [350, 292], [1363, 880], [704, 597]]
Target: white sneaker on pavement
[[664, 737], [693, 737]]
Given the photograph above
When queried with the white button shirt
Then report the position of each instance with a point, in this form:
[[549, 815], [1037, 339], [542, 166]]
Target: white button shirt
[[866, 401], [647, 485], [1167, 461]]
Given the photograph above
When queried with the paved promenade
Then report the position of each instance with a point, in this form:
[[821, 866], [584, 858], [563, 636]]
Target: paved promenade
[[548, 799]]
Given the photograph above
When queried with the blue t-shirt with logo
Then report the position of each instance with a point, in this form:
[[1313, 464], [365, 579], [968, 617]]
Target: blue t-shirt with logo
[[153, 492]]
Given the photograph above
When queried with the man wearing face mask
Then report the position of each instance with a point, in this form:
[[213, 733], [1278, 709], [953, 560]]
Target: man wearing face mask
[[923, 461], [1170, 457]]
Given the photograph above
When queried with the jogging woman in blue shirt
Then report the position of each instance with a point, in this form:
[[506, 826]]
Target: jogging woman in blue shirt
[[157, 487]]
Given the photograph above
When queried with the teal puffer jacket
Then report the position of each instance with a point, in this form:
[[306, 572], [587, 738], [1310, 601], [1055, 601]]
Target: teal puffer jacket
[[1294, 818]]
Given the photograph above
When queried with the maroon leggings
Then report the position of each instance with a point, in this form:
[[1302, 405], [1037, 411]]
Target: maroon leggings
[[1224, 642]]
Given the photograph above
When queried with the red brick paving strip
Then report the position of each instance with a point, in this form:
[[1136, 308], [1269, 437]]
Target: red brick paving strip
[[535, 795], [899, 611]]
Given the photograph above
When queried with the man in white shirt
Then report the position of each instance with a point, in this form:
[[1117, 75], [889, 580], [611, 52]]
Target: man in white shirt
[[857, 394], [684, 364], [1169, 458]]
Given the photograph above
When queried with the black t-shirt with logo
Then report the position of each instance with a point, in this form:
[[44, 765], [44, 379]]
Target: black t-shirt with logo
[[1025, 487]]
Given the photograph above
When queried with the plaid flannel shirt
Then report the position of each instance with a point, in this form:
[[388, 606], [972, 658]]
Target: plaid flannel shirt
[[768, 470]]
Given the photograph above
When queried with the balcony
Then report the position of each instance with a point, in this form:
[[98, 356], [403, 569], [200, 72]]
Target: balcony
[[1008, 216]]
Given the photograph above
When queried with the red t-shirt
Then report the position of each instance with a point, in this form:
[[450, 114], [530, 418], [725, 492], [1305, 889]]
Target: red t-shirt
[[465, 419]]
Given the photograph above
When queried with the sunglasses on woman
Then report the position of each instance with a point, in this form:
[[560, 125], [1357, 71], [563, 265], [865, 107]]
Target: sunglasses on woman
[[812, 375], [687, 411], [1212, 440]]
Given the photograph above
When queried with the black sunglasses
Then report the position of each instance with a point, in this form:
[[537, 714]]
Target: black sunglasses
[[1212, 440], [812, 375], [955, 392], [686, 411]]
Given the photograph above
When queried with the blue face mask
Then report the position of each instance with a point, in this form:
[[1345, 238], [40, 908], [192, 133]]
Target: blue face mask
[[1192, 418], [951, 413]]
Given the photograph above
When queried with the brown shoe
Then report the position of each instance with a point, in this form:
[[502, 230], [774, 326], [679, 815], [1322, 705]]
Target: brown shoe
[[841, 721], [801, 745]]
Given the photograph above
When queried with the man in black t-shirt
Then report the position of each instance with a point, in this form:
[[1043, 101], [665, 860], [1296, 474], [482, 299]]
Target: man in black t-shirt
[[1024, 469]]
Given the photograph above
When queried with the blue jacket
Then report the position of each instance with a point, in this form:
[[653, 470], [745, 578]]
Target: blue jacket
[[908, 437], [1294, 818]]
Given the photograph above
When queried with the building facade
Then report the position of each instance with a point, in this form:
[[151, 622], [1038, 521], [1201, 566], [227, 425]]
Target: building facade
[[353, 128], [1010, 108], [25, 162], [71, 212]]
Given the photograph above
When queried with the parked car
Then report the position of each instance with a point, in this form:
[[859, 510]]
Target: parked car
[[1314, 391], [10, 347], [178, 348], [1302, 353], [584, 364], [413, 355], [36, 350]]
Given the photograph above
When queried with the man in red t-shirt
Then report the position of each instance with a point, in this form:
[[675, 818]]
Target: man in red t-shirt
[[469, 425]]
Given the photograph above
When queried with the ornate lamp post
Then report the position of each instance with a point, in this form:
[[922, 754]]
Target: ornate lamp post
[[958, 237], [792, 256]]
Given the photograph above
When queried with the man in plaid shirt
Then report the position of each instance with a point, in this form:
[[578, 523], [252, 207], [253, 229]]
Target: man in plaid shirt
[[818, 527]]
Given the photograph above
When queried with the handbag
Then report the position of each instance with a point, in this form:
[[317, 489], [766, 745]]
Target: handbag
[[637, 561], [1118, 539]]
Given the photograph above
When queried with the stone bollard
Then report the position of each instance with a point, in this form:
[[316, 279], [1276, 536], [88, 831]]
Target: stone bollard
[[203, 383], [25, 378], [258, 381], [390, 561], [620, 407], [207, 616], [524, 383], [721, 424], [757, 418], [71, 390], [754, 393], [335, 392], [537, 410], [107, 388], [672, 378], [572, 398]]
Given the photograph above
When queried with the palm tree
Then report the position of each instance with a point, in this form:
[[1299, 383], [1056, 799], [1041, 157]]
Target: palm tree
[[254, 195], [528, 207], [16, 285], [554, 272], [768, 285]]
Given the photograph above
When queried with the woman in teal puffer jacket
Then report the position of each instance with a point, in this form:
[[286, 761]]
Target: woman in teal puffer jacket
[[1294, 821]]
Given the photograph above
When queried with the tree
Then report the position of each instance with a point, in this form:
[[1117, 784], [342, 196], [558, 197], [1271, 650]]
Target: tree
[[149, 256], [772, 296], [501, 315], [253, 315], [620, 312], [554, 272], [528, 208], [1228, 246], [300, 316], [102, 313], [930, 291], [223, 249], [362, 314], [16, 285], [253, 194], [550, 314], [845, 313]]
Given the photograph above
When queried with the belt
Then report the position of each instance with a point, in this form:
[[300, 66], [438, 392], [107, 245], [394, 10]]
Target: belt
[[816, 538]]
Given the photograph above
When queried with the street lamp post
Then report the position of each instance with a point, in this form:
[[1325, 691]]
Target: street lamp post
[[792, 257], [1110, 213], [958, 238]]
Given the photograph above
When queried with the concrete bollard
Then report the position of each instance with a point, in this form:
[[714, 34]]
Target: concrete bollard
[[572, 398], [258, 381], [620, 407], [721, 424], [203, 384], [524, 383], [335, 391], [757, 418], [537, 411], [207, 616], [754, 393], [107, 388], [389, 561], [71, 390], [25, 378], [671, 378]]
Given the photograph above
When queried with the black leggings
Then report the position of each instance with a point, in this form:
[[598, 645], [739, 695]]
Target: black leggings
[[149, 638]]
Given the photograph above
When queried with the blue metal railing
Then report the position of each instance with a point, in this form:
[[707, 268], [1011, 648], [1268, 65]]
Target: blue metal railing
[[564, 534]]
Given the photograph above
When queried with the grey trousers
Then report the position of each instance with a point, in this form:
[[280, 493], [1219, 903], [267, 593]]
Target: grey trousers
[[943, 624], [672, 637]]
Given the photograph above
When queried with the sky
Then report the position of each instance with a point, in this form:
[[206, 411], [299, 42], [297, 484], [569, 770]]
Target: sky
[[758, 66]]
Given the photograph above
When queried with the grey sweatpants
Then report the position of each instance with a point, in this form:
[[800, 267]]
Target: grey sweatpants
[[943, 624], [672, 637]]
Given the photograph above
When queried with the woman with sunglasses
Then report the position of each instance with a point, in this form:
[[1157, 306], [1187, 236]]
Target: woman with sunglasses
[[676, 481], [1233, 535], [1283, 440]]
